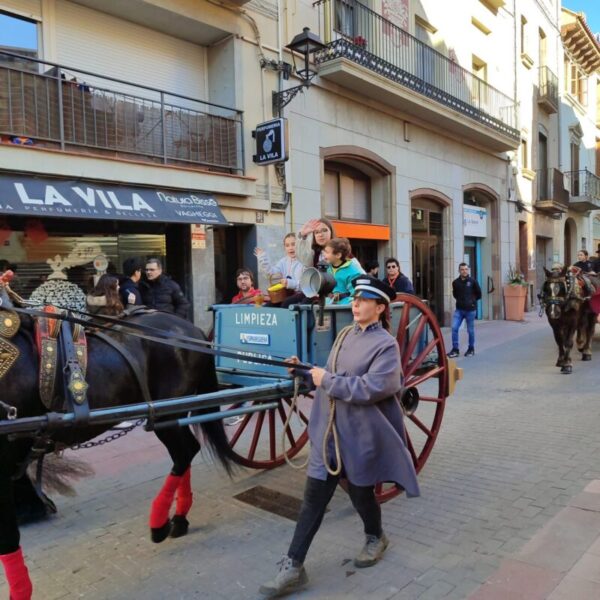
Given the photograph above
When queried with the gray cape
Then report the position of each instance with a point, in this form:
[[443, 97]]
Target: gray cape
[[368, 416]]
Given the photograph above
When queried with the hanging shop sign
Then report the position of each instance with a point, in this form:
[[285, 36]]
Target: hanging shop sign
[[83, 199], [271, 142], [475, 221]]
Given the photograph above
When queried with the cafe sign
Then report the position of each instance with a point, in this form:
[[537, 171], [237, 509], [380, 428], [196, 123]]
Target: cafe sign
[[90, 200]]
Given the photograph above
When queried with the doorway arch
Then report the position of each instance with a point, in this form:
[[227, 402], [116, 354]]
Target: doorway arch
[[486, 249], [430, 227]]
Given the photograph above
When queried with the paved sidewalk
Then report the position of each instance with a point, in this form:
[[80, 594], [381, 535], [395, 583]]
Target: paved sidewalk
[[560, 562], [518, 445]]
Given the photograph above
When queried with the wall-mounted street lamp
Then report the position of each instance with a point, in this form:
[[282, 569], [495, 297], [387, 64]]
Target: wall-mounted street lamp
[[305, 44]]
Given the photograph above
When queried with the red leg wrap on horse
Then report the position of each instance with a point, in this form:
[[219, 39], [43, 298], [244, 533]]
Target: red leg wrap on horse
[[161, 505], [184, 494], [17, 575]]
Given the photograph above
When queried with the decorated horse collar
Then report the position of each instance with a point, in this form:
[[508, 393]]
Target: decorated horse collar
[[9, 325]]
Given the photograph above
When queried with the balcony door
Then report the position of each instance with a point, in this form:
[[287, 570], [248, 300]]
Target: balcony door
[[542, 167], [574, 169]]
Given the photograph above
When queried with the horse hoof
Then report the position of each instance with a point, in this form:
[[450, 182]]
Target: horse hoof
[[179, 526], [586, 357], [160, 534], [567, 370]]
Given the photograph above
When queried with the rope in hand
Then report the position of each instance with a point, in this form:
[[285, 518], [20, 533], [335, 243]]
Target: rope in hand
[[286, 426], [331, 429]]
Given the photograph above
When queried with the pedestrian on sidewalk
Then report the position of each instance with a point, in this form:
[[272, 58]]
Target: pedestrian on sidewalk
[[356, 430], [467, 293]]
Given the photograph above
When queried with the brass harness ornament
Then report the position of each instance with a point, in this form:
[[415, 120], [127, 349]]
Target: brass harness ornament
[[9, 353]]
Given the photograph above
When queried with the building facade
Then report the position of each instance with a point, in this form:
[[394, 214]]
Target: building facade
[[410, 139]]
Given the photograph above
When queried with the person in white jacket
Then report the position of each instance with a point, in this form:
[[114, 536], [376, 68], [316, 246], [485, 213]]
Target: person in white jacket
[[288, 269]]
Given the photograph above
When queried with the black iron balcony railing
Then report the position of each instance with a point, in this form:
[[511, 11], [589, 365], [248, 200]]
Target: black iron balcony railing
[[584, 183], [355, 32], [50, 105], [551, 192], [548, 89]]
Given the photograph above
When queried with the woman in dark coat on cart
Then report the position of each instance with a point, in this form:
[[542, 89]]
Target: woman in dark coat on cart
[[361, 385]]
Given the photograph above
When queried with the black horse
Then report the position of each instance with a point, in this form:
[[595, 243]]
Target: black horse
[[564, 300], [169, 372]]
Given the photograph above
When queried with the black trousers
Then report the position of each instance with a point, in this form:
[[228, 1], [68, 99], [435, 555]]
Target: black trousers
[[317, 494]]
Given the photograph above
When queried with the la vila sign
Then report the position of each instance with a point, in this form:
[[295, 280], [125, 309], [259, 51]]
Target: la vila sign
[[271, 142]]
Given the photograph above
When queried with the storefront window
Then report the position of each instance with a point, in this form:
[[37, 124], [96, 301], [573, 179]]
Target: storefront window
[[32, 254]]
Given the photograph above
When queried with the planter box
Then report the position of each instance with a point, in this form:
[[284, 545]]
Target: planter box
[[515, 297]]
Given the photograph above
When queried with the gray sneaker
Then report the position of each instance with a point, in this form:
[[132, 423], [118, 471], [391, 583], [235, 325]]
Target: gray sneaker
[[372, 551], [288, 579]]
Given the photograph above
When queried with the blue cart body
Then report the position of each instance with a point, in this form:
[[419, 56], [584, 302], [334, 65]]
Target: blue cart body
[[271, 332]]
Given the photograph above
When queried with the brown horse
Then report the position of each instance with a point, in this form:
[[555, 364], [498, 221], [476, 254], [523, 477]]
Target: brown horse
[[564, 300]]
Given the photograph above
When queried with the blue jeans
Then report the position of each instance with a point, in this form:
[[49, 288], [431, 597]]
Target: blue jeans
[[457, 319]]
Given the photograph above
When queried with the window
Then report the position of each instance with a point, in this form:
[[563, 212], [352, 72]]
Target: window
[[347, 194], [424, 31], [525, 50], [19, 36], [524, 154], [576, 81], [543, 48], [344, 18]]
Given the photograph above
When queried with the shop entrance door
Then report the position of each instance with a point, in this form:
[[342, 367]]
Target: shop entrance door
[[472, 257], [427, 271]]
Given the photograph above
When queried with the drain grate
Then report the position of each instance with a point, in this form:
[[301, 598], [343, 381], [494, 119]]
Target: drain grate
[[272, 501]]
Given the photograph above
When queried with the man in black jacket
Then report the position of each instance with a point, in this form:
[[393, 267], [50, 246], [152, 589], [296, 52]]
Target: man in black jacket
[[128, 288], [467, 293], [160, 292]]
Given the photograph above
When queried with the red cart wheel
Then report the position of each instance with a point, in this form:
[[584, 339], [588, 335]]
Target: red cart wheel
[[256, 438], [425, 368]]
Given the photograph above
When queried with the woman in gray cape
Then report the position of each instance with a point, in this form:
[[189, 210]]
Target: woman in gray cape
[[360, 387]]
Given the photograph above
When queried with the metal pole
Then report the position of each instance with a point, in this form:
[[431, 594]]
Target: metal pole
[[164, 126], [279, 388], [61, 114]]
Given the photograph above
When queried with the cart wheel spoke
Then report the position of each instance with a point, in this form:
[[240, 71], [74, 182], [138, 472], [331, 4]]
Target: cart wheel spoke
[[411, 449], [424, 377], [297, 410], [288, 432], [240, 430], [430, 399], [256, 450], [272, 435], [419, 359], [420, 425], [256, 436]]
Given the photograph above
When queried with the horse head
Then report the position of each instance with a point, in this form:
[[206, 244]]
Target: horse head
[[555, 291]]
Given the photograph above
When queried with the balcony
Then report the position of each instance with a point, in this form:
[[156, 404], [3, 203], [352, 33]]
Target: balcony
[[584, 188], [51, 106], [552, 197], [548, 90], [371, 55]]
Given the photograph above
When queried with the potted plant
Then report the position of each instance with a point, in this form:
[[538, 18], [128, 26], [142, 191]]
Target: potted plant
[[360, 41], [515, 295]]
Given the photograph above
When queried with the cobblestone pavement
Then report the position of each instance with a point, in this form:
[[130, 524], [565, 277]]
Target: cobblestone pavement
[[518, 442]]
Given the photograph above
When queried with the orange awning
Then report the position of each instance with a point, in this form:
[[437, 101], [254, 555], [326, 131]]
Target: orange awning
[[362, 231]]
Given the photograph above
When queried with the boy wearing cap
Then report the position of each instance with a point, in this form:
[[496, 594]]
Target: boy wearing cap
[[360, 385]]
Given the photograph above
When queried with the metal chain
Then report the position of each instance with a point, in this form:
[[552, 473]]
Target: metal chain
[[109, 438]]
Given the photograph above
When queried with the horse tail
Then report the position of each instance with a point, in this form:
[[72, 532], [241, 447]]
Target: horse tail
[[60, 472], [214, 432]]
